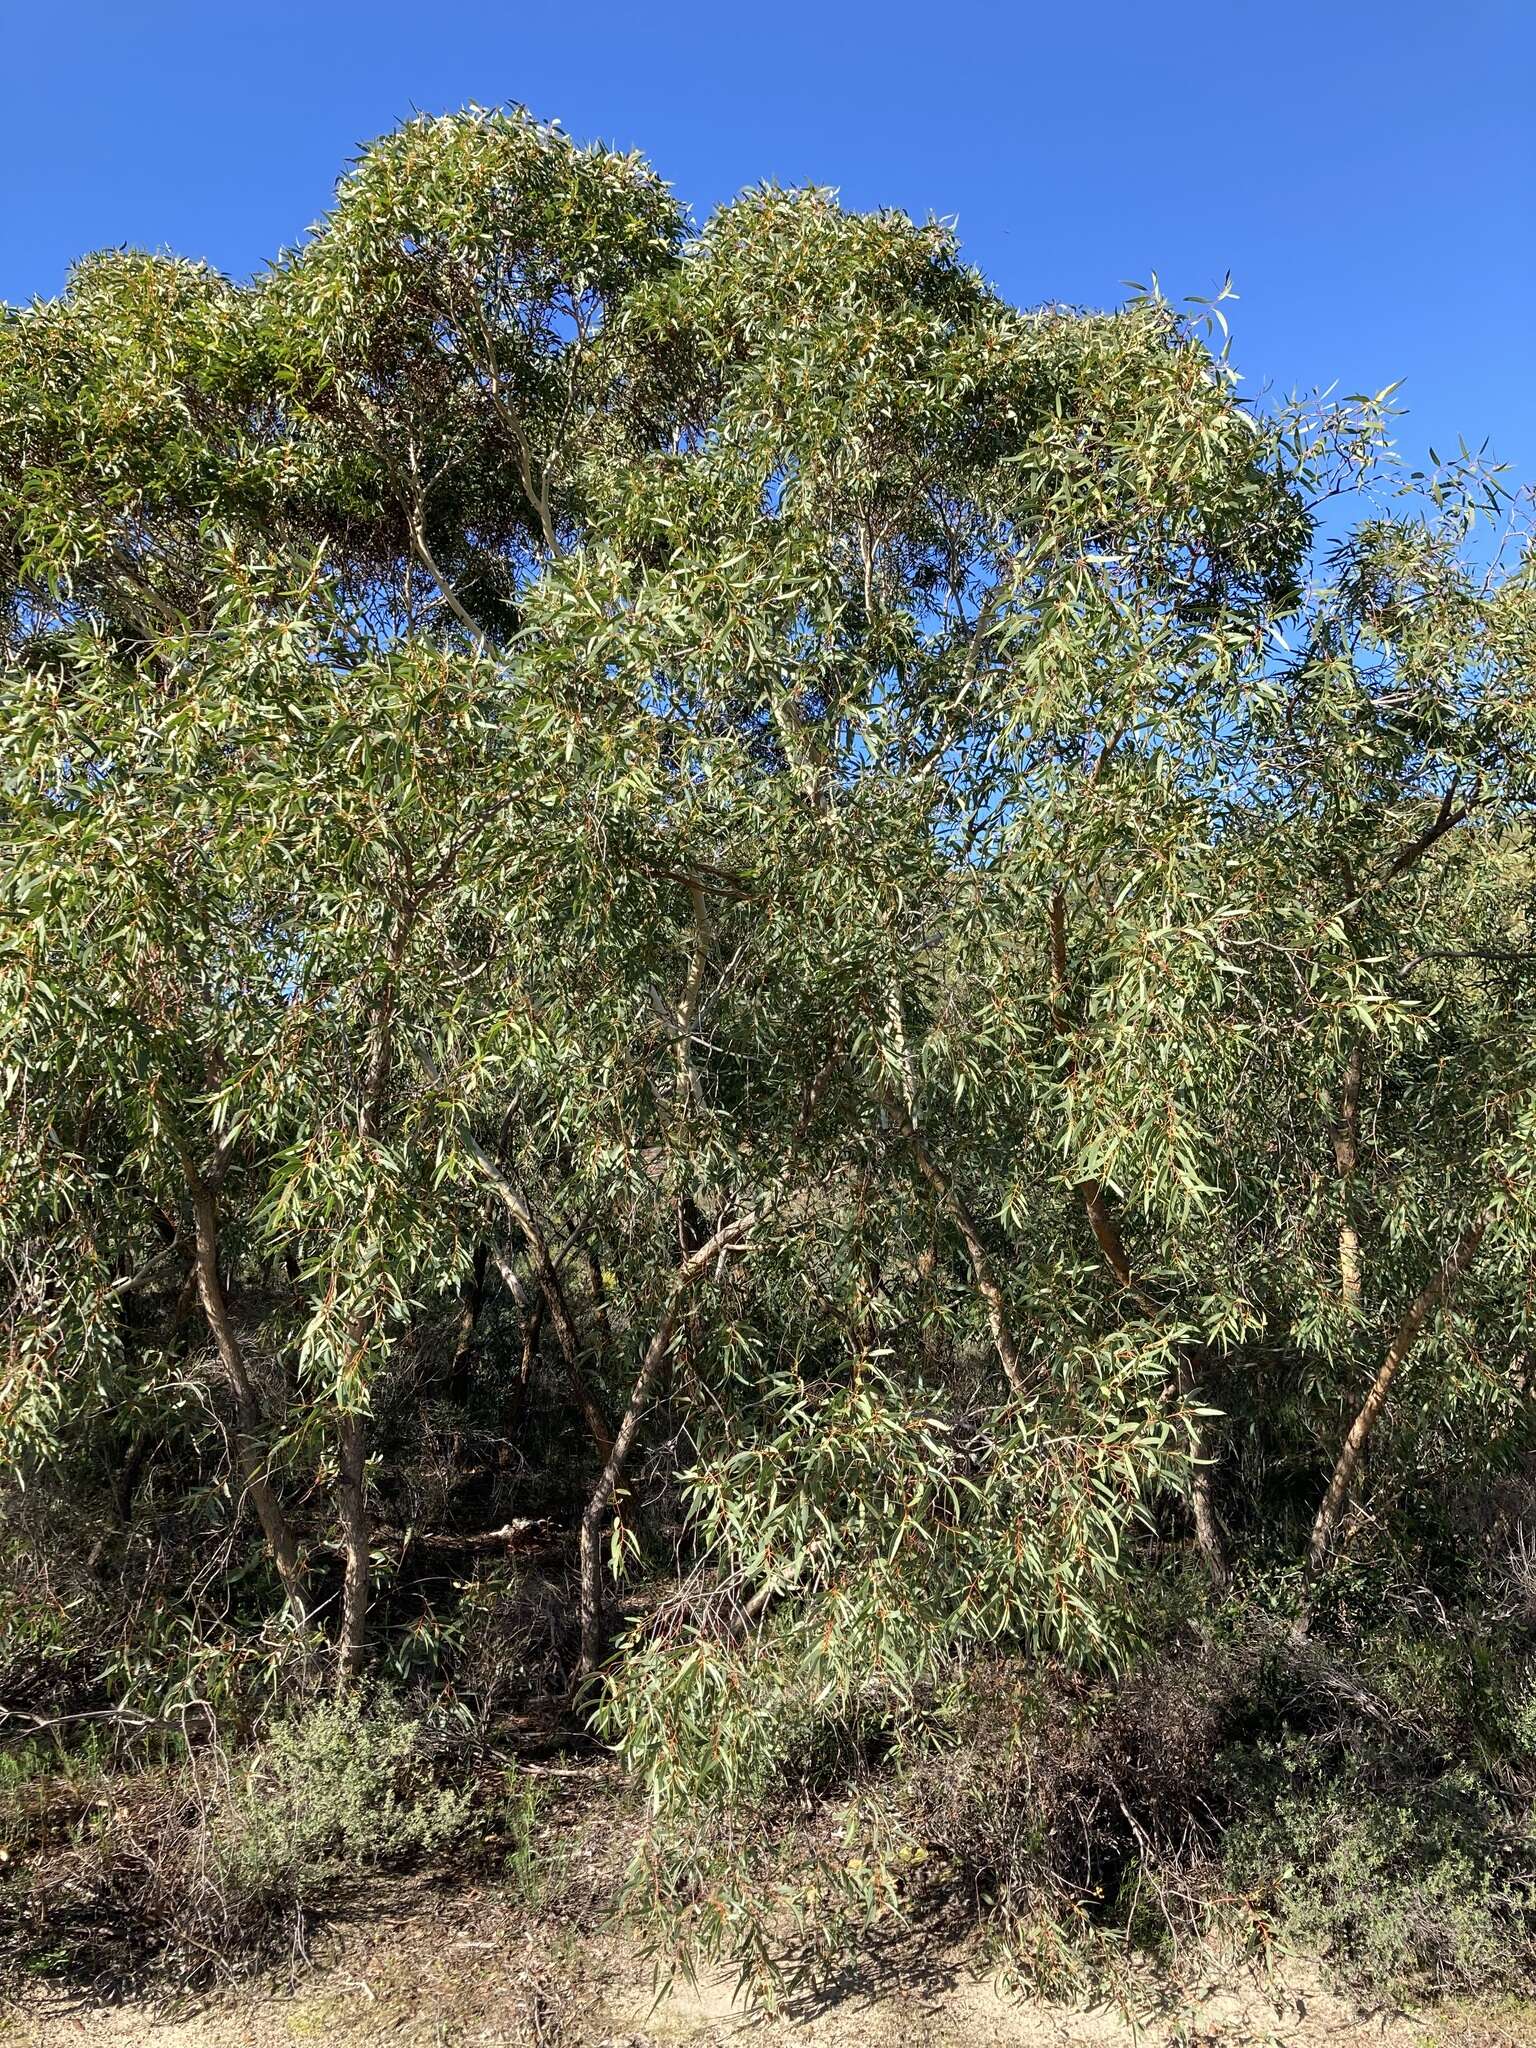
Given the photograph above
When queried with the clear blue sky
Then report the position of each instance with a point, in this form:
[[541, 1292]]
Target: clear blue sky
[[1366, 169]]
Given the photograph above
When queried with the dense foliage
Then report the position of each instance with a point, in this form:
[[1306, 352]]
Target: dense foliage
[[860, 957]]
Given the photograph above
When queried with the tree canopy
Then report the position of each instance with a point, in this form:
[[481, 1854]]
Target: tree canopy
[[936, 905]]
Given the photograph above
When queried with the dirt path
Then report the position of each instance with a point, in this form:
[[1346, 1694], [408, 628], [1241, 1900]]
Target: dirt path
[[470, 1970]]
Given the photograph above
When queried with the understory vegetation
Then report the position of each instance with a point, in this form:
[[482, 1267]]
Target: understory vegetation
[[759, 1019]]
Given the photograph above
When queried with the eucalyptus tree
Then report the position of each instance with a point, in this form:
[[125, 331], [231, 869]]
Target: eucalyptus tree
[[844, 839], [256, 761]]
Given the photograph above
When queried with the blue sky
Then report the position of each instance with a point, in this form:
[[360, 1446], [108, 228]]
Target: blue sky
[[1366, 169]]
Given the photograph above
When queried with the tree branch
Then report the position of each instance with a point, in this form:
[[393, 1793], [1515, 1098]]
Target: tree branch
[[1421, 1312], [693, 1268]]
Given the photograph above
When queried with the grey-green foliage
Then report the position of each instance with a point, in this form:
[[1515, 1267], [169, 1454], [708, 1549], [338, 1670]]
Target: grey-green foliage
[[527, 727], [890, 1529], [202, 1867], [1398, 1889], [343, 1787]]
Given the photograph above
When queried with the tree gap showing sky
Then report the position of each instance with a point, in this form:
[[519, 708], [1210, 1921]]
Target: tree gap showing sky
[[1366, 171]]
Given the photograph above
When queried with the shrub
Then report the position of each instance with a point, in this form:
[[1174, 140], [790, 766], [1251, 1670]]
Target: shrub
[[338, 1788], [193, 1871], [1366, 1799], [1419, 1888]]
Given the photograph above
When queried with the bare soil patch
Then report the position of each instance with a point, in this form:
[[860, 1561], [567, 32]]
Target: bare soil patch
[[438, 1967]]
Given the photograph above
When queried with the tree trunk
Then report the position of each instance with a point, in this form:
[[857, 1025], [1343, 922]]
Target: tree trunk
[[1209, 1540], [125, 1482], [552, 1295], [528, 1353], [544, 1271], [599, 1292], [530, 1312], [1346, 1157], [352, 1512], [559, 1310], [692, 1269], [469, 1320], [249, 1431], [1421, 1312], [352, 1430]]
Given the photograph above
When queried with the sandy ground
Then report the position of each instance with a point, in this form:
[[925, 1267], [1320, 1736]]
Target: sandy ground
[[470, 1970]]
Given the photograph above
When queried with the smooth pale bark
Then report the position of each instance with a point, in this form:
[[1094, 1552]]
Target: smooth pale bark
[[530, 1316], [1346, 1158], [352, 1513], [356, 1543], [688, 1008], [1422, 1311]]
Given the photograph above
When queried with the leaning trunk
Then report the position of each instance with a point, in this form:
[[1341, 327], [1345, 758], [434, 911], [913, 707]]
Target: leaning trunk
[[1409, 1331], [691, 1270], [249, 1433]]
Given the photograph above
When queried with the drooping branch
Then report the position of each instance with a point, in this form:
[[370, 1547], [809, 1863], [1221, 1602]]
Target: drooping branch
[[158, 1267], [1447, 817]]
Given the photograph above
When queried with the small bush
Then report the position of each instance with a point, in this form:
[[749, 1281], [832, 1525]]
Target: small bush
[[1419, 1888], [193, 1871], [337, 1789]]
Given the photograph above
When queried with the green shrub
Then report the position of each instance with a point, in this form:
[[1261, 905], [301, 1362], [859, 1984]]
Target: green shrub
[[1403, 1888], [339, 1788], [189, 1872]]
